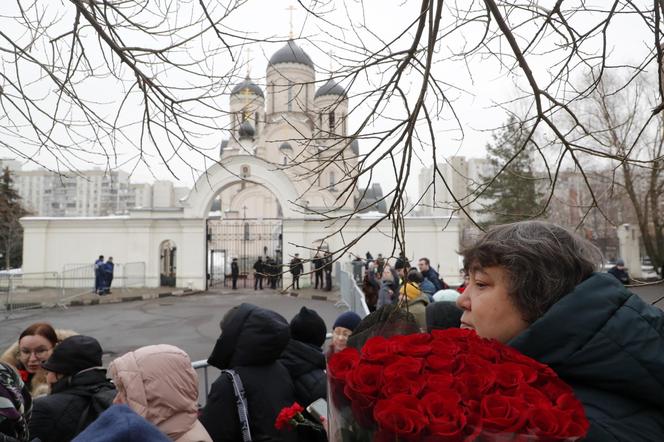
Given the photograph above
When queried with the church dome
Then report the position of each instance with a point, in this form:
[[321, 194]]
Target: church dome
[[224, 145], [246, 130], [247, 86], [291, 53], [331, 87], [286, 147]]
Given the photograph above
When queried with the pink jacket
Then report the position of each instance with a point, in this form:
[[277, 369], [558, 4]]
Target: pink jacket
[[160, 385]]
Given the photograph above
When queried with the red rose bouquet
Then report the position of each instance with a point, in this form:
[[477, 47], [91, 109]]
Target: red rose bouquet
[[447, 386]]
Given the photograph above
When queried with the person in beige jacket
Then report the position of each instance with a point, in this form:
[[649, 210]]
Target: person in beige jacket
[[159, 383]]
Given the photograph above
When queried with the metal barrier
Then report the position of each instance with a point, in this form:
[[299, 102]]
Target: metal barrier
[[211, 373], [21, 291], [352, 296]]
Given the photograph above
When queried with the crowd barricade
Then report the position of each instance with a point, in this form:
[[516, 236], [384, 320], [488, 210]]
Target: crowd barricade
[[352, 296], [22, 291]]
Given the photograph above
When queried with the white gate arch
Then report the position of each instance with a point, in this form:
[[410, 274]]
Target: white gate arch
[[236, 168]]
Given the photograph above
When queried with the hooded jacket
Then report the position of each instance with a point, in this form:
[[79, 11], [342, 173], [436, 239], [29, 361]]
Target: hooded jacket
[[161, 386], [37, 382], [306, 365], [56, 417], [608, 345], [120, 424], [251, 341]]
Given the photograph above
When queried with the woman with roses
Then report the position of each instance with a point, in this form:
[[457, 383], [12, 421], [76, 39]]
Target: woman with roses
[[534, 287]]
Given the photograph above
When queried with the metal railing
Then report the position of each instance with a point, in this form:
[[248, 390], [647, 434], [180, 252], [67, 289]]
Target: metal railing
[[22, 291], [352, 296]]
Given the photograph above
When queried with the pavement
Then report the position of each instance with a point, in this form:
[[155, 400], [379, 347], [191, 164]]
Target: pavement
[[189, 322]]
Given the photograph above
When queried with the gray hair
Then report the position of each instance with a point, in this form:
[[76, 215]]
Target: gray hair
[[544, 262]]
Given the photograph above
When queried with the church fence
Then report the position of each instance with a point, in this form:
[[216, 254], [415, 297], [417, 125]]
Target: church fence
[[352, 296]]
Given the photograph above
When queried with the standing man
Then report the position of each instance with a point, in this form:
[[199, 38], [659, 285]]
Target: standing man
[[318, 270], [358, 265], [108, 269], [328, 271], [235, 273], [258, 274], [380, 264], [99, 263], [429, 273], [619, 271], [296, 269]]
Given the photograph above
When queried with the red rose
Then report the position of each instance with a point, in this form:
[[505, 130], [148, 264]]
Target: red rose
[[532, 396], [556, 388], [449, 420], [477, 383], [439, 364], [286, 415], [400, 417], [417, 345], [509, 354], [546, 422], [455, 333], [502, 413], [438, 382], [378, 349], [510, 374], [362, 384], [25, 375], [403, 383], [484, 350], [404, 366], [342, 363], [445, 347]]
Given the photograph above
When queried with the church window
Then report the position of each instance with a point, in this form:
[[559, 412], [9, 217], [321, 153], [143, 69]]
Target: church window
[[285, 160], [245, 171], [246, 231], [320, 121], [290, 96], [331, 117], [256, 121], [272, 96], [332, 181]]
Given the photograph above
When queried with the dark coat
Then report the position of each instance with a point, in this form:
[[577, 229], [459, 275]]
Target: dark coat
[[296, 266], [251, 341], [235, 269], [306, 365], [56, 417], [434, 277], [608, 345]]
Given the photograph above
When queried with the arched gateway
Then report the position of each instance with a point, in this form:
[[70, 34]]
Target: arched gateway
[[262, 187]]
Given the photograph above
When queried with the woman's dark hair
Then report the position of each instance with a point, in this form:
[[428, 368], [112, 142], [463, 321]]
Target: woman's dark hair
[[544, 262], [414, 276], [41, 329]]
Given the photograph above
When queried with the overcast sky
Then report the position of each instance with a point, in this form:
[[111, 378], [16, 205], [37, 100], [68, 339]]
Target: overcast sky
[[475, 86]]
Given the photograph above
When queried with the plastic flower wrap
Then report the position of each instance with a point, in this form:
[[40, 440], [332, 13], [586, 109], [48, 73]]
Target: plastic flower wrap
[[448, 386]]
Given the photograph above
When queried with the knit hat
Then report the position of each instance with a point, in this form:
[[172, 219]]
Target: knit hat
[[307, 326], [449, 295], [443, 315], [620, 262], [349, 320], [74, 354]]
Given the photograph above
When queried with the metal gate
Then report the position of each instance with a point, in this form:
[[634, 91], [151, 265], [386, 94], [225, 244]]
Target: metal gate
[[244, 239]]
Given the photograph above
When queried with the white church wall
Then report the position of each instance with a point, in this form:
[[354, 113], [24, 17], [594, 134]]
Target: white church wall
[[300, 98]]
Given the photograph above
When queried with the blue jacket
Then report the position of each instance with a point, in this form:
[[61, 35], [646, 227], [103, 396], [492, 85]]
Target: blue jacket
[[120, 424], [434, 277], [608, 345]]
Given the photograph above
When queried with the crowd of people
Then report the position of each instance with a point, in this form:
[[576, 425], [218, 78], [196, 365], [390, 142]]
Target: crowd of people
[[530, 285]]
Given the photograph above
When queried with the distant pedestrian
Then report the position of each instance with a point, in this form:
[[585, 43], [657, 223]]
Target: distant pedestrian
[[318, 263], [235, 273], [258, 274], [99, 274], [328, 272], [389, 287], [619, 271], [296, 269], [107, 269], [429, 273], [369, 259], [380, 264], [358, 265]]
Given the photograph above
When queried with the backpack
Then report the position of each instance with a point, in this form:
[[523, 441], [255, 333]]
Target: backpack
[[100, 399]]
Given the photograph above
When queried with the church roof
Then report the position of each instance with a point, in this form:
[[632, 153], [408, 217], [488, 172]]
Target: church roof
[[285, 146], [331, 87], [247, 86], [291, 53]]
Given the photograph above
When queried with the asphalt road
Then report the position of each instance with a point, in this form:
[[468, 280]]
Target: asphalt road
[[191, 323]]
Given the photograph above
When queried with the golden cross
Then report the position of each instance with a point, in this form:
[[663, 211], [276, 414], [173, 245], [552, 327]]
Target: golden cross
[[291, 8], [248, 62]]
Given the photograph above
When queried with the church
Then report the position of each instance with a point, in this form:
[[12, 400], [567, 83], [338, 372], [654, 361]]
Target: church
[[282, 185]]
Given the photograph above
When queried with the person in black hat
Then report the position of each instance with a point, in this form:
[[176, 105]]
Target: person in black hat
[[79, 390], [343, 327], [619, 271], [443, 315], [304, 356]]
